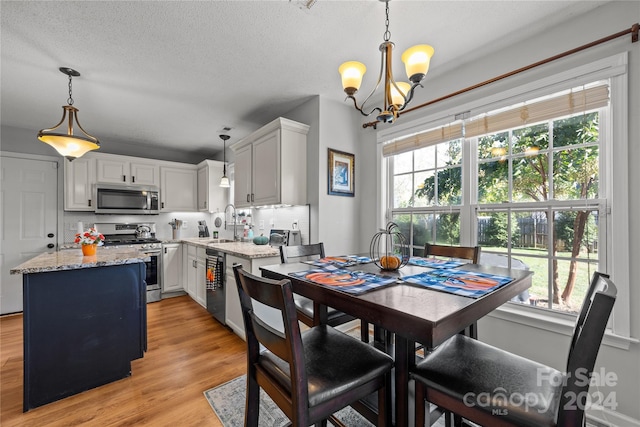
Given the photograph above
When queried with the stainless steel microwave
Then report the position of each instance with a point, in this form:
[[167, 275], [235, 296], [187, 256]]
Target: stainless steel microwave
[[127, 199]]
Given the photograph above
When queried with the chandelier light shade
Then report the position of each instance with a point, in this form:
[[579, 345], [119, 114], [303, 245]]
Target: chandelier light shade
[[224, 181], [396, 94], [68, 144]]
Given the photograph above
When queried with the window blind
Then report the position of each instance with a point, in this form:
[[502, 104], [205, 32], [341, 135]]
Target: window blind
[[445, 133], [563, 105]]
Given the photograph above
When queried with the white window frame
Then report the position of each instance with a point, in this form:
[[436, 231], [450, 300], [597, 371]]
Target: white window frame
[[615, 181]]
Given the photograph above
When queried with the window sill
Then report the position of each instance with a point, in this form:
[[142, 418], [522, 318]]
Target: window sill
[[552, 322]]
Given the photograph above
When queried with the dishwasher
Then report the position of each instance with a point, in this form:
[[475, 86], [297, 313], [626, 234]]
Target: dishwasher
[[215, 284]]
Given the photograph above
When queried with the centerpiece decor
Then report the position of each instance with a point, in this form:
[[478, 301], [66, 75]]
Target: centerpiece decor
[[389, 249], [89, 241]]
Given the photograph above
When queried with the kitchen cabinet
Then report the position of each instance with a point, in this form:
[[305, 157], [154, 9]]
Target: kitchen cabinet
[[178, 188], [121, 170], [233, 312], [79, 179], [271, 165], [195, 284], [171, 267], [211, 197]]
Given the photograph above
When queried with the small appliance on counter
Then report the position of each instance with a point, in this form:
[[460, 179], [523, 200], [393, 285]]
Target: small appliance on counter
[[203, 230], [281, 237]]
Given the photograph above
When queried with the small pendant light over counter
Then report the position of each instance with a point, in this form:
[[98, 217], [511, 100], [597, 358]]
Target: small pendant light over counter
[[67, 144], [224, 181]]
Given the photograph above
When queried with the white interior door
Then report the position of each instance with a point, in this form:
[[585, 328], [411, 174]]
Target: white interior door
[[28, 220]]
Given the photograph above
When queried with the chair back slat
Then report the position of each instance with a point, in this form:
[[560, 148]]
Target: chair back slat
[[471, 253], [296, 253], [587, 337], [277, 295]]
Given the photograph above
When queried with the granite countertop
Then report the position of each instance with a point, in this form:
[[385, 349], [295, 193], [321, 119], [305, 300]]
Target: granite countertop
[[72, 259], [240, 249]]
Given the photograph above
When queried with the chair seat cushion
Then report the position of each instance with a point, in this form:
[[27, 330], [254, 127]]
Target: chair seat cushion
[[335, 363], [305, 305], [488, 379]]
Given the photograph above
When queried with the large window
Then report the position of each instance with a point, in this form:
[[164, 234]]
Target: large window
[[529, 192]]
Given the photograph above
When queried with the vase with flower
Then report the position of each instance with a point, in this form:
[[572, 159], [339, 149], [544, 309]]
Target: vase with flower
[[89, 241]]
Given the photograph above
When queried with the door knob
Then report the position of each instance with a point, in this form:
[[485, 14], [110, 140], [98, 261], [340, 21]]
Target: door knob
[[50, 235], [51, 246]]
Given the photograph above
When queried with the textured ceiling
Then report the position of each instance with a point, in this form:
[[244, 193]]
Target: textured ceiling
[[174, 73]]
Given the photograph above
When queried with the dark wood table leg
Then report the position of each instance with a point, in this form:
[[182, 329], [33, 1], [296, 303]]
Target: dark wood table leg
[[402, 380]]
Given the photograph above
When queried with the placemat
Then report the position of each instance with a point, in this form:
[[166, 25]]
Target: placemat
[[460, 282], [339, 261], [353, 282], [434, 262]]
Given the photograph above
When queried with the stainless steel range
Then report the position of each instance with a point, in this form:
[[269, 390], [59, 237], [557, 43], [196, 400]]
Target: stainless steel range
[[142, 236]]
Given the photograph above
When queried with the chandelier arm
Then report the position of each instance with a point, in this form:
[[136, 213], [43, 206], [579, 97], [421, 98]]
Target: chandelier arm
[[409, 96], [355, 104]]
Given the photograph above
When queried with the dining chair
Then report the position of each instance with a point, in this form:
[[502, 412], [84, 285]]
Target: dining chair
[[306, 307], [469, 253], [482, 383], [309, 375]]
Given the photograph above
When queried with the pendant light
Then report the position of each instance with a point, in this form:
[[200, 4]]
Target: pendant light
[[67, 144], [224, 181]]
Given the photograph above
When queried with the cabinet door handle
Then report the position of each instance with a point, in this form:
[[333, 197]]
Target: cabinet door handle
[[133, 179], [89, 202], [51, 246], [165, 250], [251, 197], [248, 197], [162, 205], [124, 178]]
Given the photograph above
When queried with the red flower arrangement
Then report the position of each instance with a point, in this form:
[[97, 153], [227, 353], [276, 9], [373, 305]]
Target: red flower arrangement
[[90, 237]]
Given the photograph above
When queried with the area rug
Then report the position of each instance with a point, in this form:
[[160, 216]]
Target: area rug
[[228, 400]]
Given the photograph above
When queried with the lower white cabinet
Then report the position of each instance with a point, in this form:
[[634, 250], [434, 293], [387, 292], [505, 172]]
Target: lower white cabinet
[[233, 312], [171, 267], [195, 276]]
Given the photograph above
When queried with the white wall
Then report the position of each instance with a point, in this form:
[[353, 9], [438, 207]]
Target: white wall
[[532, 342]]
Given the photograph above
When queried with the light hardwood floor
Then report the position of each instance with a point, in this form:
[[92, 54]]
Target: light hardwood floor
[[189, 352]]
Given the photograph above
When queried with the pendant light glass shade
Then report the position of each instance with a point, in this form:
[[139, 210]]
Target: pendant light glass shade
[[224, 181], [68, 144]]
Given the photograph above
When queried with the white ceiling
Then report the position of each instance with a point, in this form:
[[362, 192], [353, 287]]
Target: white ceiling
[[175, 73]]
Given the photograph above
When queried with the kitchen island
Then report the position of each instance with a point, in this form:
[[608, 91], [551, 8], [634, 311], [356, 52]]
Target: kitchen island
[[84, 320]]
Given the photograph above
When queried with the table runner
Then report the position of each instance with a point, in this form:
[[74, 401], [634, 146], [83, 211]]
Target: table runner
[[458, 281], [353, 282]]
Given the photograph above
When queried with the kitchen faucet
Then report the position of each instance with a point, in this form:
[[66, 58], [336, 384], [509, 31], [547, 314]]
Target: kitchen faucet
[[235, 238]]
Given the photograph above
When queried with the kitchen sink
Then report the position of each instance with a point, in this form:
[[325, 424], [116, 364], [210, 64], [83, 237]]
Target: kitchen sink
[[219, 241]]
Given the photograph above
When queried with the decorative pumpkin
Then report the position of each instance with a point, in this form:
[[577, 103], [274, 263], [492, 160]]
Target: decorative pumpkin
[[261, 240], [389, 249]]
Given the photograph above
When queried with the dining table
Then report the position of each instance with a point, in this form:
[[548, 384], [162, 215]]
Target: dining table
[[410, 312]]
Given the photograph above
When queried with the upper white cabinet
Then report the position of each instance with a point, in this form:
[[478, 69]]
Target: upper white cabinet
[[211, 197], [79, 178], [271, 165], [120, 170], [178, 188]]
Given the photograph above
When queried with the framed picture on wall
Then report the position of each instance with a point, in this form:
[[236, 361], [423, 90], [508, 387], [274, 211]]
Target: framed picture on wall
[[341, 173]]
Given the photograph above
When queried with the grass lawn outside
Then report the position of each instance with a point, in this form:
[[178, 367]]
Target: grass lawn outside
[[537, 261]]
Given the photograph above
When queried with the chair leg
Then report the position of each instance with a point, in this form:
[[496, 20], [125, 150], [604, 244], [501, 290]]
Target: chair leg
[[252, 406], [384, 403], [364, 331], [420, 404]]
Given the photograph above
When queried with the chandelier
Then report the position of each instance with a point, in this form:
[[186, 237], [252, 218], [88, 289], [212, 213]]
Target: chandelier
[[396, 94], [67, 144], [224, 181]]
